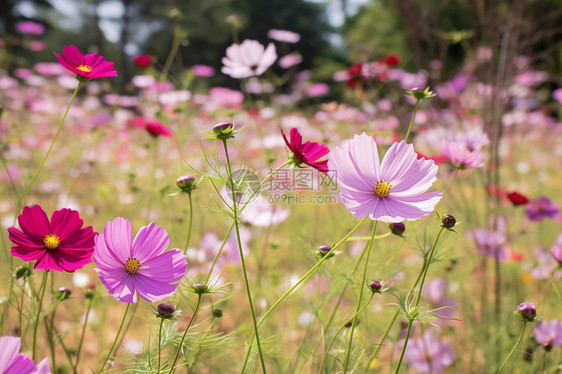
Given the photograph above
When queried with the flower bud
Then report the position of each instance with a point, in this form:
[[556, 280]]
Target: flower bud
[[165, 310], [175, 14], [420, 93], [323, 251], [63, 293], [224, 130], [200, 288], [397, 228], [448, 221], [90, 291], [217, 312], [186, 183], [375, 286], [22, 272], [527, 311]]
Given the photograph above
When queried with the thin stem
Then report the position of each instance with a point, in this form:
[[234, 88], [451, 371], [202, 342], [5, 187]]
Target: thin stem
[[101, 370], [352, 318], [193, 316], [153, 176], [159, 345], [28, 187], [451, 181], [190, 222], [21, 308], [427, 265], [79, 349], [243, 263], [379, 345], [354, 323], [172, 54], [514, 347], [410, 322], [303, 278], [42, 289], [412, 121]]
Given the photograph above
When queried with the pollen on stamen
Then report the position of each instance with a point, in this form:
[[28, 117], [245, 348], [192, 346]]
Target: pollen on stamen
[[85, 68], [132, 265], [382, 189], [51, 241]]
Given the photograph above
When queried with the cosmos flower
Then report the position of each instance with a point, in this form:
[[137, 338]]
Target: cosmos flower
[[203, 70], [461, 157], [30, 27], [60, 244], [11, 361], [142, 61], [157, 129], [429, 355], [548, 333], [517, 199], [490, 243], [434, 293], [541, 208], [248, 59], [90, 66], [143, 266], [556, 250], [393, 190], [308, 153]]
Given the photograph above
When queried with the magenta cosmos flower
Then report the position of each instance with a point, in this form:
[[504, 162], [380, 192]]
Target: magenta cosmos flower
[[60, 244], [248, 59], [91, 66], [13, 362], [127, 267], [541, 208], [157, 129], [393, 190], [308, 153]]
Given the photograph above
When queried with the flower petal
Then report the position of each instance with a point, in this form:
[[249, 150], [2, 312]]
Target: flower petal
[[153, 290], [168, 266], [150, 241], [117, 234], [34, 223], [49, 261], [65, 222]]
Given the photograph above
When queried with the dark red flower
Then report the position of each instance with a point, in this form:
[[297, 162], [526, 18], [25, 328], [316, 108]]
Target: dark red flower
[[60, 244], [156, 129], [391, 60], [308, 153], [438, 159], [142, 61], [517, 199], [356, 76]]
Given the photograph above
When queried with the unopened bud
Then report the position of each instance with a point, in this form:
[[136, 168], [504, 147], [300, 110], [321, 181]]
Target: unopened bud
[[448, 221]]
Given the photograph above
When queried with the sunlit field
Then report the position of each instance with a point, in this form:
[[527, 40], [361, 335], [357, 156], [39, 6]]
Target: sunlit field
[[256, 216]]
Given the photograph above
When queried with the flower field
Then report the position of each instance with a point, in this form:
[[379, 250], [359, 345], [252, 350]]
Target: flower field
[[385, 220]]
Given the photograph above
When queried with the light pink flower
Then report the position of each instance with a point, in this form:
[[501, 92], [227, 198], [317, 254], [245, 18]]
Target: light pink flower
[[248, 59], [290, 60], [284, 36], [429, 355], [460, 156], [203, 70]]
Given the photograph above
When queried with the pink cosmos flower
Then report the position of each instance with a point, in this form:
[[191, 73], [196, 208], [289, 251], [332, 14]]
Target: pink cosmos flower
[[127, 267], [290, 60], [157, 129], [91, 66], [434, 293], [283, 36], [203, 70], [556, 250], [317, 89], [61, 244], [548, 333], [460, 156], [11, 361], [541, 208], [429, 355], [391, 191], [248, 59], [30, 27], [308, 153], [490, 243]]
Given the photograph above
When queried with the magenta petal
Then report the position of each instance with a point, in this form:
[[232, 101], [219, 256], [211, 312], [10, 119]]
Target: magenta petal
[[71, 262], [169, 265], [21, 364], [104, 258], [43, 367], [27, 254], [123, 289], [73, 55], [296, 138], [65, 222], [153, 290], [9, 349], [22, 240], [34, 222], [48, 262], [150, 241], [81, 239]]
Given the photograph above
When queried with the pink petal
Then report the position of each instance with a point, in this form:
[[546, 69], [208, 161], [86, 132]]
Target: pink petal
[[153, 290], [117, 234], [120, 285], [150, 241], [169, 266], [363, 151], [9, 349], [104, 258], [396, 161]]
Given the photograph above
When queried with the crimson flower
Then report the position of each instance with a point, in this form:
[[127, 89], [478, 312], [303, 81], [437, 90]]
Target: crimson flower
[[308, 153], [60, 244], [142, 61], [356, 77], [517, 199], [156, 129], [90, 66], [391, 60]]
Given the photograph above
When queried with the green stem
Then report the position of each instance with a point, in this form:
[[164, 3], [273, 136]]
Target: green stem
[[193, 316], [302, 279], [427, 265], [190, 222], [159, 344], [410, 322], [42, 289], [514, 347], [173, 52], [412, 121], [243, 263], [381, 341], [352, 318], [102, 370], [28, 187], [79, 349], [451, 181], [348, 352]]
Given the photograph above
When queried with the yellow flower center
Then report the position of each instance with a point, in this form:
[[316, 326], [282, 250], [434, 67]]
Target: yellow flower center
[[382, 189], [84, 68], [132, 265], [51, 241]]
